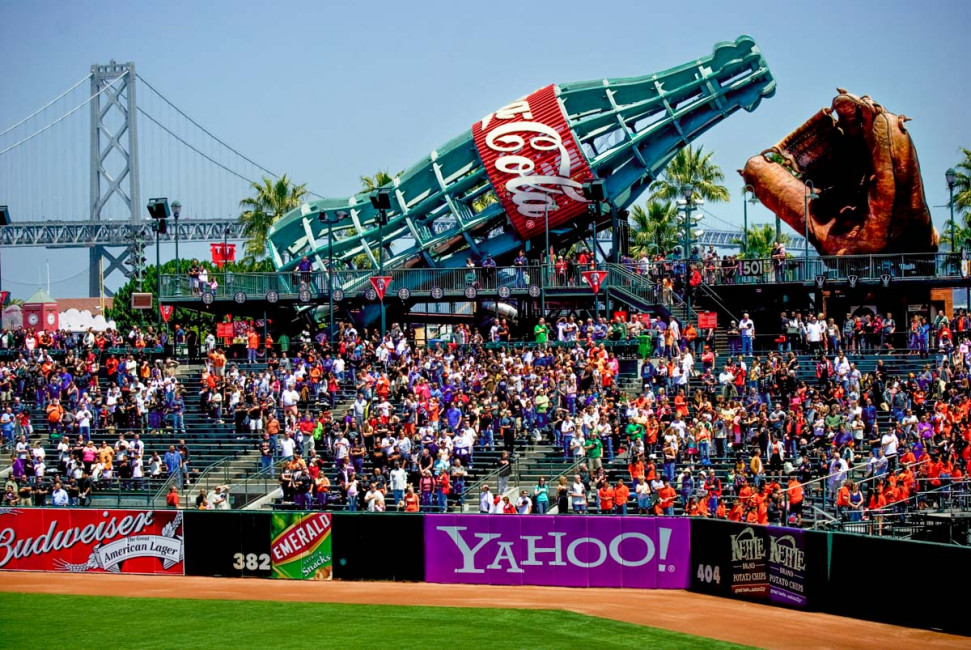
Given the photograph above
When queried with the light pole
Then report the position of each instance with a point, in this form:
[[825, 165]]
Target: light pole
[[951, 176], [544, 274], [176, 211], [687, 191], [330, 265], [158, 271], [748, 189], [809, 194], [381, 201]]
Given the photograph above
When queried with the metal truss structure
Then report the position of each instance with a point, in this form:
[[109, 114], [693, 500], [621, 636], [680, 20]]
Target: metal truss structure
[[79, 234], [444, 208]]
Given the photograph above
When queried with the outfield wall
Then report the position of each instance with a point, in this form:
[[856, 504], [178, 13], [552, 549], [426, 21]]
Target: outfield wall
[[918, 584]]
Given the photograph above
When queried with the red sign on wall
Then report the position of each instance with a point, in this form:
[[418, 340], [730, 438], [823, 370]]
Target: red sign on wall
[[76, 541], [708, 319], [222, 253], [533, 161]]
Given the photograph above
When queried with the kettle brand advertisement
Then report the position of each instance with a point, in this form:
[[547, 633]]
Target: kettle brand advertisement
[[301, 546], [749, 567]]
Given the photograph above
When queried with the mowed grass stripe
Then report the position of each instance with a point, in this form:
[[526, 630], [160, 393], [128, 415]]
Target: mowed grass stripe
[[29, 620]]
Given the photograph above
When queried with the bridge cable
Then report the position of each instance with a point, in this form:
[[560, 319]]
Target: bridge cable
[[45, 106], [207, 132], [65, 116], [214, 162]]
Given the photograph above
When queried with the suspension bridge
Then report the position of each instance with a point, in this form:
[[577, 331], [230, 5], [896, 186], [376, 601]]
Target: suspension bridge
[[78, 171]]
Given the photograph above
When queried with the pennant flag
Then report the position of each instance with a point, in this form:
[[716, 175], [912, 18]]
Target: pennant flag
[[4, 298], [381, 284], [167, 311], [594, 279]]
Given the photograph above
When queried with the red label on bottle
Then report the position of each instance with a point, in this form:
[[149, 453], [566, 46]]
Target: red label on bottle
[[534, 162]]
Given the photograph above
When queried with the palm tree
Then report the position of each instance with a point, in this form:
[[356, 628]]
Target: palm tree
[[692, 166], [962, 187], [655, 229], [380, 179], [761, 237], [273, 200]]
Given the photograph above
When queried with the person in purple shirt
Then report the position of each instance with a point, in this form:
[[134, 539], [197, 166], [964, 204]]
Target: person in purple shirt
[[454, 417]]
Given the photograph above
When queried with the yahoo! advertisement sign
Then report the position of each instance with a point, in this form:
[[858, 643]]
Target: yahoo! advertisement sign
[[563, 551]]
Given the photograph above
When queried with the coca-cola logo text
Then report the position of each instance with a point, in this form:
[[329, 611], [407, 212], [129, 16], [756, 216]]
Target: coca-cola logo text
[[533, 160]]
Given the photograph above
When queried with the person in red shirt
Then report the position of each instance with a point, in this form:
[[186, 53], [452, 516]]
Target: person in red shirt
[[172, 498]]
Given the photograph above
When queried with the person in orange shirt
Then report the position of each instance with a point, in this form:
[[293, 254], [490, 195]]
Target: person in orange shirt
[[878, 503], [703, 508], [666, 497], [606, 494], [252, 344], [745, 494], [621, 496], [795, 494], [411, 500], [842, 499], [720, 510], [636, 469], [735, 514], [650, 472]]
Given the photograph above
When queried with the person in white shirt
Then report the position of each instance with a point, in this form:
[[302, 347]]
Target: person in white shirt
[[374, 499], [399, 483], [220, 500], [746, 328], [287, 447], [889, 444], [137, 471], [485, 500], [578, 495], [524, 505]]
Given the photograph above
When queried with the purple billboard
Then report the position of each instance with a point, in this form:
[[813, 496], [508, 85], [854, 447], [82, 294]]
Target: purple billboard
[[635, 552]]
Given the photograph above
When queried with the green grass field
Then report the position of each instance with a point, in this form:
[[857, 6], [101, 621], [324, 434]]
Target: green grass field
[[34, 620]]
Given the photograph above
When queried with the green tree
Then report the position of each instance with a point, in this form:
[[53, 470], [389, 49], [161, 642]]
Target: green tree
[[655, 229], [761, 237], [380, 179], [693, 166], [272, 200], [196, 318], [962, 188]]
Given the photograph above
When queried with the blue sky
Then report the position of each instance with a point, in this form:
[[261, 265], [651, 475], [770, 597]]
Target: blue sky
[[328, 92]]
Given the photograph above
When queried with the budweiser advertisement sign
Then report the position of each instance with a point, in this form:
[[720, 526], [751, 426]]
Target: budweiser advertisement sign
[[301, 546], [533, 162], [76, 541], [630, 552]]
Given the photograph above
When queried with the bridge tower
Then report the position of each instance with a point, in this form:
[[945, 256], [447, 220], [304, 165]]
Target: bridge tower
[[114, 159]]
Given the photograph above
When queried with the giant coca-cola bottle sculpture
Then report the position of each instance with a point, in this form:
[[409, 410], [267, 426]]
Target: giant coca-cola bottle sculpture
[[534, 155]]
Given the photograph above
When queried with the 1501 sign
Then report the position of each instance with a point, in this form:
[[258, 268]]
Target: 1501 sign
[[755, 267]]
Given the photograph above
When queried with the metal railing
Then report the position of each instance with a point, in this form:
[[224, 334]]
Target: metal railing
[[354, 282], [866, 268]]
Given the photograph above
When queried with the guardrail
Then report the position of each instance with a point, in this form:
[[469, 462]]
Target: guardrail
[[865, 268]]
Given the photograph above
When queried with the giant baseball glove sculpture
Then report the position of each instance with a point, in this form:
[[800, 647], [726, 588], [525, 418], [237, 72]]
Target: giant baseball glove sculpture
[[863, 166]]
